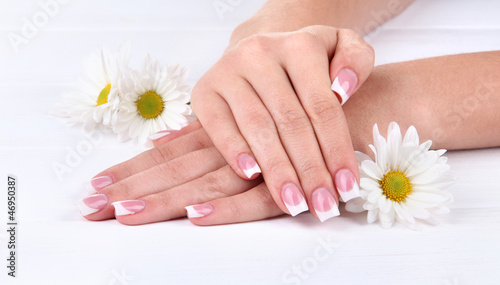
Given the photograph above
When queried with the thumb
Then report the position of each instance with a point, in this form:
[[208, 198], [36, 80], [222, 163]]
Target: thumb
[[352, 63]]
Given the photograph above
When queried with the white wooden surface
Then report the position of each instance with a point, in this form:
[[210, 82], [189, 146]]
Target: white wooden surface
[[57, 246]]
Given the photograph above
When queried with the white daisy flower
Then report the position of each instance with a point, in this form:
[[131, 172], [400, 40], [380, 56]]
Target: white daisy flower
[[152, 100], [96, 99], [405, 182]]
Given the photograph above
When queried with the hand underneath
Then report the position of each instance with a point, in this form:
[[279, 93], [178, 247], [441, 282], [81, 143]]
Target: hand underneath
[[184, 169]]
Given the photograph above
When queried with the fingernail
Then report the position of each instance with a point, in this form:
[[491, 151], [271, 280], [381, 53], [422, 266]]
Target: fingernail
[[293, 199], [324, 204], [160, 134], [248, 165], [344, 84], [98, 183], [92, 204], [198, 211], [347, 185], [128, 207]]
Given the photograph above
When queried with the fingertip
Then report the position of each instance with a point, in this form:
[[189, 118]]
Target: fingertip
[[344, 84], [199, 214], [248, 165]]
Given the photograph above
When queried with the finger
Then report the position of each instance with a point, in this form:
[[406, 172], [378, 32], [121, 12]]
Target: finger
[[153, 180], [226, 136], [252, 205], [169, 204], [163, 137], [312, 84], [190, 142], [258, 128], [351, 65], [295, 130]]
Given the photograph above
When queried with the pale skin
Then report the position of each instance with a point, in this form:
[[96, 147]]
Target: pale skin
[[194, 166]]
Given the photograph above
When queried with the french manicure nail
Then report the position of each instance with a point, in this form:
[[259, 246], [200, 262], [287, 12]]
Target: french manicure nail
[[92, 204], [248, 165], [293, 199], [161, 134], [98, 183], [347, 185], [344, 84], [198, 211], [128, 207], [324, 204]]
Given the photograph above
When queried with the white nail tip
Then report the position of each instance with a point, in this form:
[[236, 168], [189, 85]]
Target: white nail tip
[[192, 213], [84, 209], [339, 90], [120, 210], [323, 216], [250, 172], [349, 195], [297, 209]]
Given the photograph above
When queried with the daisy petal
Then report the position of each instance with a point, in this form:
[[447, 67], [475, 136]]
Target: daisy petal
[[372, 169], [374, 196], [411, 136], [372, 216], [355, 205], [369, 184], [360, 157], [403, 213], [385, 205], [387, 219]]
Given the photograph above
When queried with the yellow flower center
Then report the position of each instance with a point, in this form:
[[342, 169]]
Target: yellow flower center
[[103, 96], [150, 105], [396, 186]]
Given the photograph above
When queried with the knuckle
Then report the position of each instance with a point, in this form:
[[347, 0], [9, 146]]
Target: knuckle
[[253, 45], [299, 42], [119, 191], [355, 51], [310, 169], [324, 111], [277, 166], [260, 121], [159, 154], [214, 184], [292, 120], [230, 144]]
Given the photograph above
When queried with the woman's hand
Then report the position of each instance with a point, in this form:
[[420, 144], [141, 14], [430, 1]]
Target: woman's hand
[[183, 169], [268, 106]]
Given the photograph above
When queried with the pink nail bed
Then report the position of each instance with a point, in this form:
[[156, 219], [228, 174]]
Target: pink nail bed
[[128, 207], [248, 165], [101, 182], [346, 184], [198, 211], [92, 204], [324, 204], [344, 84], [293, 199]]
